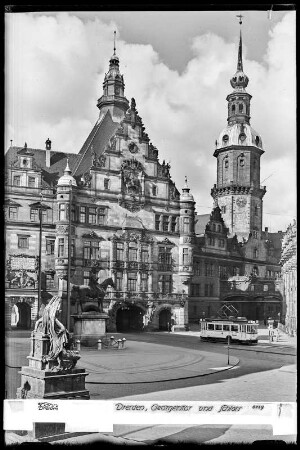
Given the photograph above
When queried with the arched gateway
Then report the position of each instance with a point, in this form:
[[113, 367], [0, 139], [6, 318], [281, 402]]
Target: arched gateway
[[129, 318]]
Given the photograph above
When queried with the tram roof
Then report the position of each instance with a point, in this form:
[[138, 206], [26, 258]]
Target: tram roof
[[230, 320]]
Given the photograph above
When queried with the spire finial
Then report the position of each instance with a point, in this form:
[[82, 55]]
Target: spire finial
[[185, 181], [67, 169], [240, 56], [115, 43]]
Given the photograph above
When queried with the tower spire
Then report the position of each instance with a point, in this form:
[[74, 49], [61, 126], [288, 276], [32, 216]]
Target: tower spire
[[240, 56], [115, 43]]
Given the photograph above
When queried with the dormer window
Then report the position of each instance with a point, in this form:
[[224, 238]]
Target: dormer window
[[257, 140], [225, 138], [31, 182], [25, 162], [17, 180]]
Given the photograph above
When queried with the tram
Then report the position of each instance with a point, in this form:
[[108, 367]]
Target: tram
[[238, 330]]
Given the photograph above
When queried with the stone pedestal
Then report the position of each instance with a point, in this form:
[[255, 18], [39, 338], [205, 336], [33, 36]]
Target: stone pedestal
[[89, 327], [40, 380]]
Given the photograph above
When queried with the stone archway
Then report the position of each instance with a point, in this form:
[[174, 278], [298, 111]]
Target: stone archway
[[129, 318], [162, 315], [24, 315]]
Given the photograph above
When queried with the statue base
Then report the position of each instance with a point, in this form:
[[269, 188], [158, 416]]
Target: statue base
[[42, 379], [89, 327]]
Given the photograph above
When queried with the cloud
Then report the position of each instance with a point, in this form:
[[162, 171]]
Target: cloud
[[55, 67]]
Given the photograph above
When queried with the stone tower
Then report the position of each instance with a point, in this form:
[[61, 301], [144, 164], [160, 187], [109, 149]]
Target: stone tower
[[66, 186], [238, 150], [113, 98], [187, 233]]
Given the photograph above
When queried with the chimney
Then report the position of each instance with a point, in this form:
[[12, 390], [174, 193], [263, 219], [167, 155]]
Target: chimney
[[48, 148]]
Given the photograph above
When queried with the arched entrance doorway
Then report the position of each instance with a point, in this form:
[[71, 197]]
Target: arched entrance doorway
[[164, 319], [24, 313], [129, 318]]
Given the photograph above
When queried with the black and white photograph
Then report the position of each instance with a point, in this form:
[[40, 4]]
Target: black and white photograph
[[150, 226]]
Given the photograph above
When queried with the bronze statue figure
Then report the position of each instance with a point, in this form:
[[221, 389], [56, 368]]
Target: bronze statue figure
[[85, 296]]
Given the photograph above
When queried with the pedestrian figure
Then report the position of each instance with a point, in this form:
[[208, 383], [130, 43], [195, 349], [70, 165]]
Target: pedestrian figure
[[277, 334], [169, 327]]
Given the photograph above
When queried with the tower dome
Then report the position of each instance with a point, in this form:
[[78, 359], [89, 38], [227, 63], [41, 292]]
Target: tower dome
[[186, 195], [67, 179], [239, 134]]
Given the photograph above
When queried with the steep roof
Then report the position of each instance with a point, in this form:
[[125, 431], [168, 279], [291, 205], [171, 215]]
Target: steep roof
[[96, 142], [58, 161], [201, 222]]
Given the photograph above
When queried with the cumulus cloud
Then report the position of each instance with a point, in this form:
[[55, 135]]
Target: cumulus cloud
[[55, 67]]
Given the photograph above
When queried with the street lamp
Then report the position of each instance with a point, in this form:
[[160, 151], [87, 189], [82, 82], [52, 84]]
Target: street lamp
[[40, 207]]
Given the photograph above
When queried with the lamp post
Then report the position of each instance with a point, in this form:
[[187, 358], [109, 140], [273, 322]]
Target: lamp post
[[228, 341], [40, 207]]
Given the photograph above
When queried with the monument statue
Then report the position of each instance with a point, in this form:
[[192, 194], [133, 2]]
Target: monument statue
[[85, 296], [60, 353]]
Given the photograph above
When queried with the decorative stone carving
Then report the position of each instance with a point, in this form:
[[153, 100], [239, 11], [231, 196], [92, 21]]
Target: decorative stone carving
[[241, 202], [93, 235], [62, 229], [132, 147], [166, 241]]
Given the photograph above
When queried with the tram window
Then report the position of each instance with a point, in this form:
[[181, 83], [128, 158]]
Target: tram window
[[235, 328], [251, 329], [219, 327], [226, 327], [210, 326]]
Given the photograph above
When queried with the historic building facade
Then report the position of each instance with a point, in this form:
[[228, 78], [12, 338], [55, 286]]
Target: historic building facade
[[114, 206], [236, 263], [289, 277]]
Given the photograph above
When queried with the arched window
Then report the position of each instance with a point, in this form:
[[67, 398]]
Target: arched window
[[257, 140], [226, 163], [240, 107], [255, 253], [233, 109], [225, 138]]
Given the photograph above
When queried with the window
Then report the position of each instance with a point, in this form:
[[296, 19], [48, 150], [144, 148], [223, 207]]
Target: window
[[173, 223], [214, 227], [186, 224], [197, 268], [211, 290], [131, 283], [164, 255], [226, 163], [62, 211], [91, 250], [255, 234], [209, 269], [222, 271], [242, 162], [31, 182], [218, 327], [255, 271], [195, 290], [92, 216], [145, 254], [12, 212], [120, 251], [165, 284], [255, 253], [86, 278], [221, 243], [144, 282], [132, 253], [34, 214], [23, 241], [240, 107], [226, 327], [49, 281], [185, 255], [233, 109], [256, 210], [219, 228], [61, 247], [119, 281], [101, 216], [82, 214], [223, 209], [50, 245], [17, 180], [236, 271], [154, 191], [234, 328], [211, 326], [45, 215], [165, 223], [157, 221], [206, 290], [106, 183], [211, 241]]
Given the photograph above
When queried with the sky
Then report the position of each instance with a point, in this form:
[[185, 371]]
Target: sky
[[177, 65]]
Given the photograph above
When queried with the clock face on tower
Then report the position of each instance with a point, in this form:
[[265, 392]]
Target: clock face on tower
[[241, 202]]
